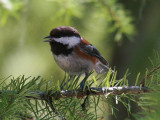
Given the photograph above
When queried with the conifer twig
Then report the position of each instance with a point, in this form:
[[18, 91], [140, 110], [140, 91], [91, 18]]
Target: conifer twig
[[91, 91], [49, 100], [148, 75]]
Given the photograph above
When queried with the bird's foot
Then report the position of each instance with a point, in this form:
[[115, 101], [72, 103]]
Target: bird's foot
[[61, 87], [82, 85], [66, 83]]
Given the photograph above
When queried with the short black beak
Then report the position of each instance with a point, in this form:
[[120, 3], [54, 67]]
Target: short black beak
[[47, 37], [47, 40]]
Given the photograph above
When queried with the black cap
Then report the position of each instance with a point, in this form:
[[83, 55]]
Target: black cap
[[64, 31]]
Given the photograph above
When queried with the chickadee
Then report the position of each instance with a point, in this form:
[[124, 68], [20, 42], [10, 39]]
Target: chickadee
[[74, 54]]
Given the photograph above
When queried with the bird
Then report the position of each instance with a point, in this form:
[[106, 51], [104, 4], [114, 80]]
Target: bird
[[74, 54]]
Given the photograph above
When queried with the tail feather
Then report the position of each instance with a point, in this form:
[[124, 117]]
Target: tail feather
[[100, 68]]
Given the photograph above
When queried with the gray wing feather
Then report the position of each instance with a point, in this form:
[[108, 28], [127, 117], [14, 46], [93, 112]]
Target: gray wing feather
[[91, 50]]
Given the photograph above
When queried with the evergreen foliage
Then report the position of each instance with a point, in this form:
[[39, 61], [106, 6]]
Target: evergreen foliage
[[150, 102], [35, 98]]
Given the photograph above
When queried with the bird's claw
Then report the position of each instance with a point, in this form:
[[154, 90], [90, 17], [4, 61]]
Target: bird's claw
[[82, 85]]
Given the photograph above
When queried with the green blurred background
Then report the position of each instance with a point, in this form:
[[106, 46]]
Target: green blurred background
[[126, 32]]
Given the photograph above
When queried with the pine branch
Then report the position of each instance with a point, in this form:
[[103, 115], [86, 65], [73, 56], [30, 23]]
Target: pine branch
[[91, 91]]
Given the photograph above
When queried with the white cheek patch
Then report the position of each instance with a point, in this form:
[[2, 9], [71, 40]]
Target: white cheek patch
[[70, 41]]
